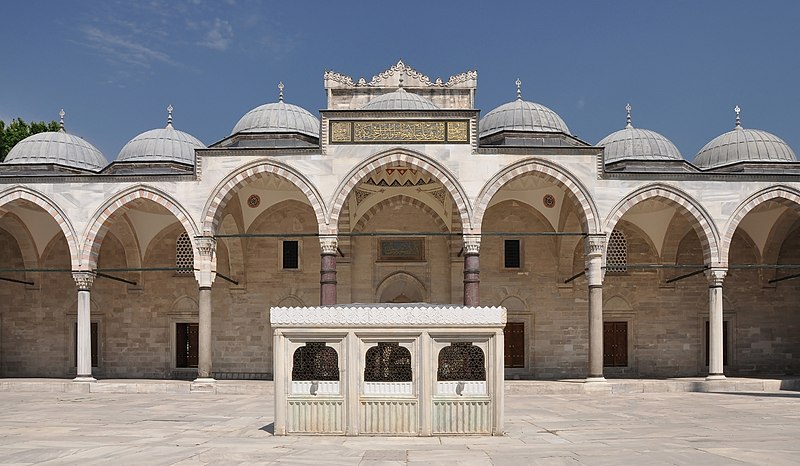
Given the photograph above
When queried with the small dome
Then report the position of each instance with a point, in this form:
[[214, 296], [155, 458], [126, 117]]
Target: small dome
[[521, 115], [278, 117], [162, 144], [637, 144], [400, 100], [57, 147], [744, 145]]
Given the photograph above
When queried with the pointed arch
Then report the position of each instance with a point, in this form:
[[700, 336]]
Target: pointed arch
[[704, 225], [401, 283], [409, 157], [780, 193], [227, 188], [99, 223], [21, 192], [575, 190], [400, 200]]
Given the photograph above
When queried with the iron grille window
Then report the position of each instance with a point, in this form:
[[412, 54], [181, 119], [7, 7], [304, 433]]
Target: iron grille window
[[461, 361], [315, 361], [512, 257], [617, 253], [291, 254], [387, 362], [184, 256]]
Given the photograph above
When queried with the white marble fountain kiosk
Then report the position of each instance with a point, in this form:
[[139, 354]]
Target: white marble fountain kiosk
[[388, 369]]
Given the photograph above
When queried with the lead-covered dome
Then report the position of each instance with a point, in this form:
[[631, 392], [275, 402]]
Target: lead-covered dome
[[521, 115], [637, 144], [57, 147], [278, 117], [400, 100], [743, 145], [161, 145]]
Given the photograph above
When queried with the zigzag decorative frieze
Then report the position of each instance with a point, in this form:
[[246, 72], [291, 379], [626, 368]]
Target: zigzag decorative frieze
[[409, 73]]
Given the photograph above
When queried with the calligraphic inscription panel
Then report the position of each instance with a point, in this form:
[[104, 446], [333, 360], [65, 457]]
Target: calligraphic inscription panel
[[401, 249], [399, 131]]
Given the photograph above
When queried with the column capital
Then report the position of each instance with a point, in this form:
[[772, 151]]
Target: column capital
[[472, 244], [205, 260], [715, 276], [328, 245], [595, 245], [84, 280], [206, 246]]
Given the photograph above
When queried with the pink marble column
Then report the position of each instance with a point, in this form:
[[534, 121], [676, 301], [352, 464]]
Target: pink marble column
[[327, 273], [472, 278]]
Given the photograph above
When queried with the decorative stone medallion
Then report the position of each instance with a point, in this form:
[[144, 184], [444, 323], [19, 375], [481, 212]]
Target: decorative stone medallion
[[549, 201], [253, 201]]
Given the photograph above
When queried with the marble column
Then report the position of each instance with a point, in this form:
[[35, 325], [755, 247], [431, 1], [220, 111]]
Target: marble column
[[205, 262], [327, 273], [715, 323], [595, 245], [84, 281], [472, 277]]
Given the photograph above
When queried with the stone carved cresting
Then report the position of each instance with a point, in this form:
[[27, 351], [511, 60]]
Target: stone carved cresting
[[386, 315], [410, 73], [83, 280]]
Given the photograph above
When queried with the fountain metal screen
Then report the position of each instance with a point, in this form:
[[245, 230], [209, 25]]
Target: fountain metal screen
[[461, 361], [387, 362], [315, 361]]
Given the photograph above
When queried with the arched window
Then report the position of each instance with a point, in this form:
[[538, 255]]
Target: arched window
[[617, 253], [387, 362], [184, 256], [461, 361], [315, 361]]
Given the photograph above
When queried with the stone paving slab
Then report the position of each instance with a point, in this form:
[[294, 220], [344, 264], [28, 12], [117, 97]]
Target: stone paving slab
[[595, 429]]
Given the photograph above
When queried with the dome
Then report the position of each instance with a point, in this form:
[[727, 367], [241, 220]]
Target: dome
[[278, 117], [521, 115], [638, 144], [57, 147], [162, 144], [400, 100], [743, 145]]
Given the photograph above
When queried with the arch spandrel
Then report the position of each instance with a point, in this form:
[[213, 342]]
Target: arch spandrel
[[227, 188], [99, 223], [51, 207], [409, 157], [575, 191], [774, 193], [704, 225]]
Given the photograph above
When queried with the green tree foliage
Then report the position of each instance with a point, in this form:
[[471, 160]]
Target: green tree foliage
[[18, 130]]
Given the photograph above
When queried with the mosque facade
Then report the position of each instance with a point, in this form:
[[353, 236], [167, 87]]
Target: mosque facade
[[613, 259]]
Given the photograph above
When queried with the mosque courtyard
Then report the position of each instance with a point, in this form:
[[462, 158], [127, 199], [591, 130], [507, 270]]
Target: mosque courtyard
[[736, 427]]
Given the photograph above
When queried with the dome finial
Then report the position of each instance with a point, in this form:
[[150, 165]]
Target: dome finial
[[738, 120], [519, 89], [169, 116], [628, 117], [280, 91], [61, 123]]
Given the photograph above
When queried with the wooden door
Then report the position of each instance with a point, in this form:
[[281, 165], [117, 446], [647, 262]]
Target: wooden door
[[514, 336], [615, 344]]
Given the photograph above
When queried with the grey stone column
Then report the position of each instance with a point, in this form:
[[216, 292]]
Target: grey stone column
[[84, 281], [595, 245], [327, 273], [472, 277], [715, 323], [205, 262]]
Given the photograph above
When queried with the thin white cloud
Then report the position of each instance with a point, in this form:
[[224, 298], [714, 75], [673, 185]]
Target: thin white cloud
[[219, 35], [121, 49]]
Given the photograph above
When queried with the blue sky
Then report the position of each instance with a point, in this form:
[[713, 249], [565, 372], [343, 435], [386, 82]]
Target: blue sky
[[683, 65]]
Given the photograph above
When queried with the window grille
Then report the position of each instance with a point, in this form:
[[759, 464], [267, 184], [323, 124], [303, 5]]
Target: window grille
[[617, 253], [387, 362], [461, 361], [315, 361], [291, 254], [184, 255], [512, 257]]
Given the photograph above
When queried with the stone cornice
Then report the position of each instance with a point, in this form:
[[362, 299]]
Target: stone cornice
[[370, 315], [413, 78]]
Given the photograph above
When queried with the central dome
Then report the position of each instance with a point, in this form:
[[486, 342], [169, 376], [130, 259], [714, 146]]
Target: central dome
[[521, 115], [400, 100]]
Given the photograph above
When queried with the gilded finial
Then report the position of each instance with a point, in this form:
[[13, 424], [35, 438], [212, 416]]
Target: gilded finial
[[628, 118], [519, 89], [169, 116], [280, 91], [738, 120], [61, 123]]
